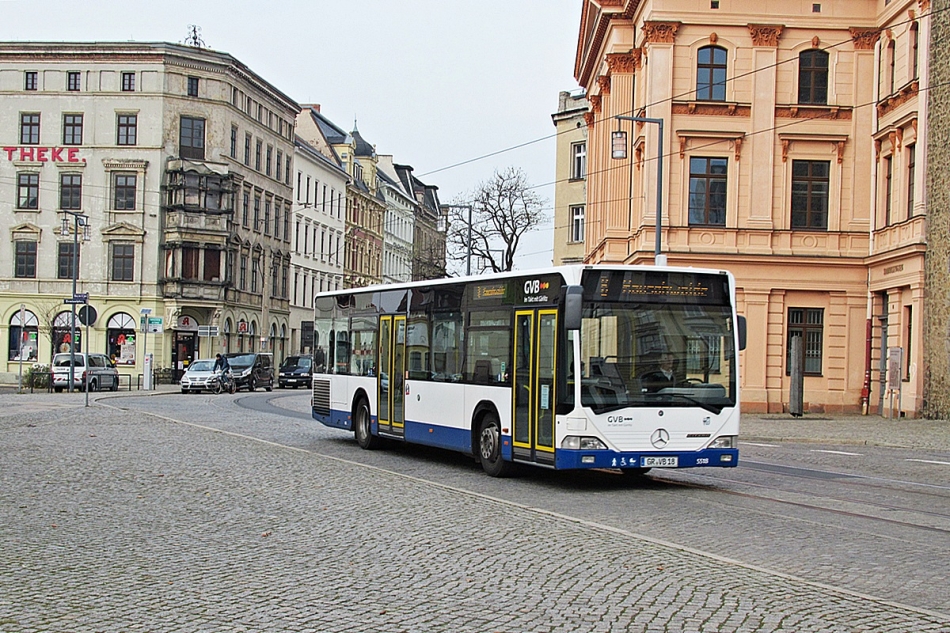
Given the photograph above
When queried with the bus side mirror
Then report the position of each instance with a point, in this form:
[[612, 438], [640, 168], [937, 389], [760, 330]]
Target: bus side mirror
[[572, 307], [742, 331]]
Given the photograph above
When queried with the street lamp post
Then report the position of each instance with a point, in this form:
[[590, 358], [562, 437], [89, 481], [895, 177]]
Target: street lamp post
[[618, 150], [79, 220]]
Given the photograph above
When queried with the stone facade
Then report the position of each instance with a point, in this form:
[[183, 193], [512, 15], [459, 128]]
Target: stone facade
[[794, 155], [570, 192]]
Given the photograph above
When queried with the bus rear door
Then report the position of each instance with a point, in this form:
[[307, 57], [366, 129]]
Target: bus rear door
[[533, 380]]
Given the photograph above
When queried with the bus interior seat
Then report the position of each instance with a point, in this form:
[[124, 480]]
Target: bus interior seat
[[482, 371]]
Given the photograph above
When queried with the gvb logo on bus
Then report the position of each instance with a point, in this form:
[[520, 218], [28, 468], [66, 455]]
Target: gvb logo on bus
[[533, 289]]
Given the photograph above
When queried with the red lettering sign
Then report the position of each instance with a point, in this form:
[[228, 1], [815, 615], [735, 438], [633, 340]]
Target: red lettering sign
[[44, 154]]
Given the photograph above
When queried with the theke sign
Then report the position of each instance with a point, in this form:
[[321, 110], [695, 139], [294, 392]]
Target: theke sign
[[44, 154]]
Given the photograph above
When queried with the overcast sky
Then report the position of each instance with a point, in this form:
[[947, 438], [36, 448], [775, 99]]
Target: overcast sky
[[433, 82]]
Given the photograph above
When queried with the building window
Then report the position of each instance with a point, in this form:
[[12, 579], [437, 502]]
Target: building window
[[806, 323], [65, 263], [29, 129], [810, 194], [257, 213], [267, 204], [72, 129], [212, 265], [911, 178], [28, 191], [711, 74], [277, 220], [26, 260], [24, 336], [189, 262], [72, 81], [279, 164], [813, 77], [890, 56], [123, 262], [121, 333], [192, 138], [578, 161], [287, 223], [30, 80], [245, 209], [908, 340], [283, 282], [577, 224], [247, 150], [70, 191], [243, 278], [258, 150], [914, 50], [128, 82], [192, 86], [287, 170], [125, 192], [255, 273], [234, 133], [127, 129], [707, 191], [267, 162], [888, 188]]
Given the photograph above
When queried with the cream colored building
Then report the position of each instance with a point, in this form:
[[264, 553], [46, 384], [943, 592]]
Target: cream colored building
[[570, 190], [179, 160], [794, 156]]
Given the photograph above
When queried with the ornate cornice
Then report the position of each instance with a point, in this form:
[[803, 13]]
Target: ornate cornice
[[924, 5], [813, 112], [765, 34], [594, 103], [589, 119], [611, 3], [712, 109], [661, 32], [604, 82], [623, 62], [899, 98], [864, 39]]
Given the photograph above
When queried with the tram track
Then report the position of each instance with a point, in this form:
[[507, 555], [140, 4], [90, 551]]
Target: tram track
[[837, 478]]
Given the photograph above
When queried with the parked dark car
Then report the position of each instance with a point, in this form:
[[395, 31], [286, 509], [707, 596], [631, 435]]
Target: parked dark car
[[252, 370], [295, 372]]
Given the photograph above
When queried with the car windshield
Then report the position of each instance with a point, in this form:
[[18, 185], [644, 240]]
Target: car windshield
[[303, 362], [241, 360], [202, 365], [62, 360]]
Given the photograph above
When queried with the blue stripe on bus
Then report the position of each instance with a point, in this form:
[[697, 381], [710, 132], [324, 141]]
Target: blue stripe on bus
[[439, 436], [337, 419], [566, 459]]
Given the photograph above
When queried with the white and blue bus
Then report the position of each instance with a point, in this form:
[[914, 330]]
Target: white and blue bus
[[609, 367]]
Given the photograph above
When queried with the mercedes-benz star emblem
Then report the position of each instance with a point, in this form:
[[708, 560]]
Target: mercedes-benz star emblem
[[660, 438]]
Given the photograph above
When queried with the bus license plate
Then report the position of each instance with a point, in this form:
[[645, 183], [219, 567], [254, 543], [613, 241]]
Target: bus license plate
[[659, 462]]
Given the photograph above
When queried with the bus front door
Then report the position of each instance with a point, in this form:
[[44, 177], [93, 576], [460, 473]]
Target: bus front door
[[532, 385], [391, 378]]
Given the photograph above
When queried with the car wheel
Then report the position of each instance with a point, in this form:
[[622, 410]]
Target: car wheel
[[270, 386], [363, 429], [251, 384], [93, 385], [489, 448], [184, 391]]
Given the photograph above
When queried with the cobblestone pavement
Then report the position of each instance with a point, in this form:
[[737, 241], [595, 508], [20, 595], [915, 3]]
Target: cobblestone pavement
[[117, 521]]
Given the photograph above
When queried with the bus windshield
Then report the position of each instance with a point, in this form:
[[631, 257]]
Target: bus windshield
[[657, 354]]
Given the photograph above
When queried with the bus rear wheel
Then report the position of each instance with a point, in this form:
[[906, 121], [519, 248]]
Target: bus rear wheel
[[362, 427], [489, 448]]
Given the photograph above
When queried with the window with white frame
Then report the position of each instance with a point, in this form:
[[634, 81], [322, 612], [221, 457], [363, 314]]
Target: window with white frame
[[577, 223], [578, 161]]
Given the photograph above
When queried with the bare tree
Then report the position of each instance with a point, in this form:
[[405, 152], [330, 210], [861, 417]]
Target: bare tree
[[503, 209]]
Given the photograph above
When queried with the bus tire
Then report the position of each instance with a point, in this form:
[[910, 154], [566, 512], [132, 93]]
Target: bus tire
[[363, 427], [489, 448]]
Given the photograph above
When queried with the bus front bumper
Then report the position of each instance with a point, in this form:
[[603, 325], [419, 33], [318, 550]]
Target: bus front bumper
[[567, 459]]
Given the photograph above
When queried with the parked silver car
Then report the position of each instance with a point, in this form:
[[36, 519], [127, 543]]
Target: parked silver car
[[199, 376], [99, 369]]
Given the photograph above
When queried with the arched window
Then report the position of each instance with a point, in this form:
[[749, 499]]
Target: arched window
[[891, 66], [813, 77], [711, 74], [62, 333], [227, 335], [24, 337], [120, 333]]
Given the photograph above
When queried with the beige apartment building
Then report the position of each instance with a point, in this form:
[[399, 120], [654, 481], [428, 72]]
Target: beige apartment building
[[795, 156], [175, 164], [570, 190]]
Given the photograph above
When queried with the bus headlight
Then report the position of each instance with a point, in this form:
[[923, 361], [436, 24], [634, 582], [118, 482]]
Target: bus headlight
[[583, 443], [724, 441]]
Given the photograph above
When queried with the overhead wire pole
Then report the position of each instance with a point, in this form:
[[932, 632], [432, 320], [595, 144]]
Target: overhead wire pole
[[618, 150]]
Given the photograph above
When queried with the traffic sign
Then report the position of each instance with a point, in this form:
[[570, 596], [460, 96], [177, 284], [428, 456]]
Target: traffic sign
[[74, 301], [81, 297], [152, 325], [88, 315]]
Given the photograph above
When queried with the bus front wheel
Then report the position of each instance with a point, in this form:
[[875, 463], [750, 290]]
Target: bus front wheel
[[489, 448], [363, 429]]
